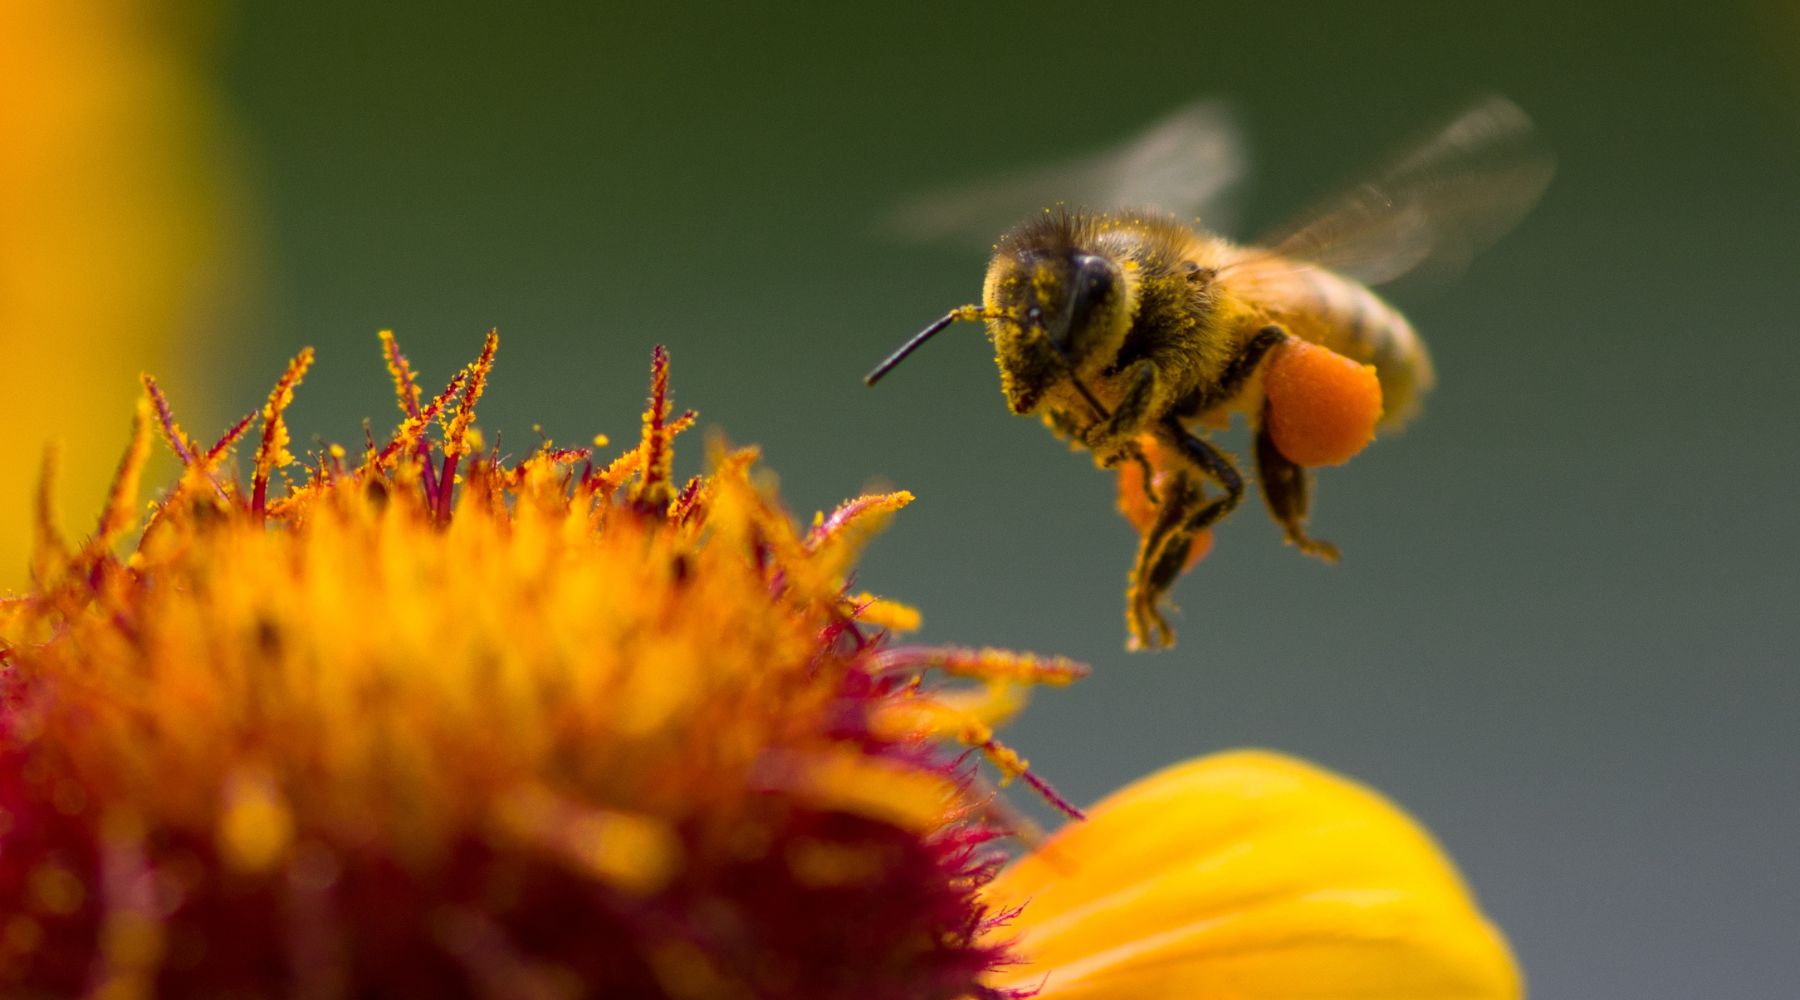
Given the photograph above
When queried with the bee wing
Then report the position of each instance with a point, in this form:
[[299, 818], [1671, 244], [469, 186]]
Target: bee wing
[[1433, 208], [1188, 164]]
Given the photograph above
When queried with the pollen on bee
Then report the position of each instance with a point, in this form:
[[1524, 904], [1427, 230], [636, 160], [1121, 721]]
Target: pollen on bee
[[1323, 407], [1139, 483]]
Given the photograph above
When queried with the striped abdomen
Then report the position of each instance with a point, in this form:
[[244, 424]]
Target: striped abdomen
[[1344, 315]]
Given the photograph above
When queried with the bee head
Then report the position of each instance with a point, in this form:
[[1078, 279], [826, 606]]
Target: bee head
[[1057, 311], [1053, 314]]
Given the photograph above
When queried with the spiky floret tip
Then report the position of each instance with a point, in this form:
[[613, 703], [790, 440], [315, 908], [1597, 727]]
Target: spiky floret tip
[[428, 721]]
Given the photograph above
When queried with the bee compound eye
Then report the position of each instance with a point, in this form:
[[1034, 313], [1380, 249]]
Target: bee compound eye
[[1093, 276], [1093, 287]]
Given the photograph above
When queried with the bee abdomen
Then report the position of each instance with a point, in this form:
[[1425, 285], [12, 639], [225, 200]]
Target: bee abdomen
[[1355, 322]]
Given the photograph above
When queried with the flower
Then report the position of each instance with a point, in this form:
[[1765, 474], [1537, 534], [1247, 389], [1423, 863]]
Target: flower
[[428, 718], [431, 722]]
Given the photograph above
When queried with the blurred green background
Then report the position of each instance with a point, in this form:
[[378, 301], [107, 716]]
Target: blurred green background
[[1564, 632]]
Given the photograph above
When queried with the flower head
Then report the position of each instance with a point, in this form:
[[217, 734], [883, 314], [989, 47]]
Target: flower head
[[431, 721]]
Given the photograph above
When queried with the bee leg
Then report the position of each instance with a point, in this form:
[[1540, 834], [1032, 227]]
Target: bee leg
[[1211, 463], [1161, 556], [1136, 453], [1143, 396], [1287, 492], [1182, 515], [1231, 380]]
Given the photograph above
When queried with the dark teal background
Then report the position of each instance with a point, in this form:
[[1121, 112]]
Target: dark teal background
[[1564, 632]]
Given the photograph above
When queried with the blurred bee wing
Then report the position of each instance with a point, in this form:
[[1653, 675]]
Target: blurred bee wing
[[1434, 208], [1187, 164]]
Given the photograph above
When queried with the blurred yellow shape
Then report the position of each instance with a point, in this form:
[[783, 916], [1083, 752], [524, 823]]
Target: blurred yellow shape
[[1248, 876], [113, 219]]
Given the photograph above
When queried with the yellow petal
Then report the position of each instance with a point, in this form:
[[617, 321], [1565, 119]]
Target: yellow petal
[[1245, 876]]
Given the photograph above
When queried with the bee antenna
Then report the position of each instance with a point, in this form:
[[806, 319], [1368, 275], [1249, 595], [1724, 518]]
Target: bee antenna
[[977, 312], [959, 313]]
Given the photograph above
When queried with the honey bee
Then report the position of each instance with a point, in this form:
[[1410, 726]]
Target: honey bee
[[1132, 332]]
